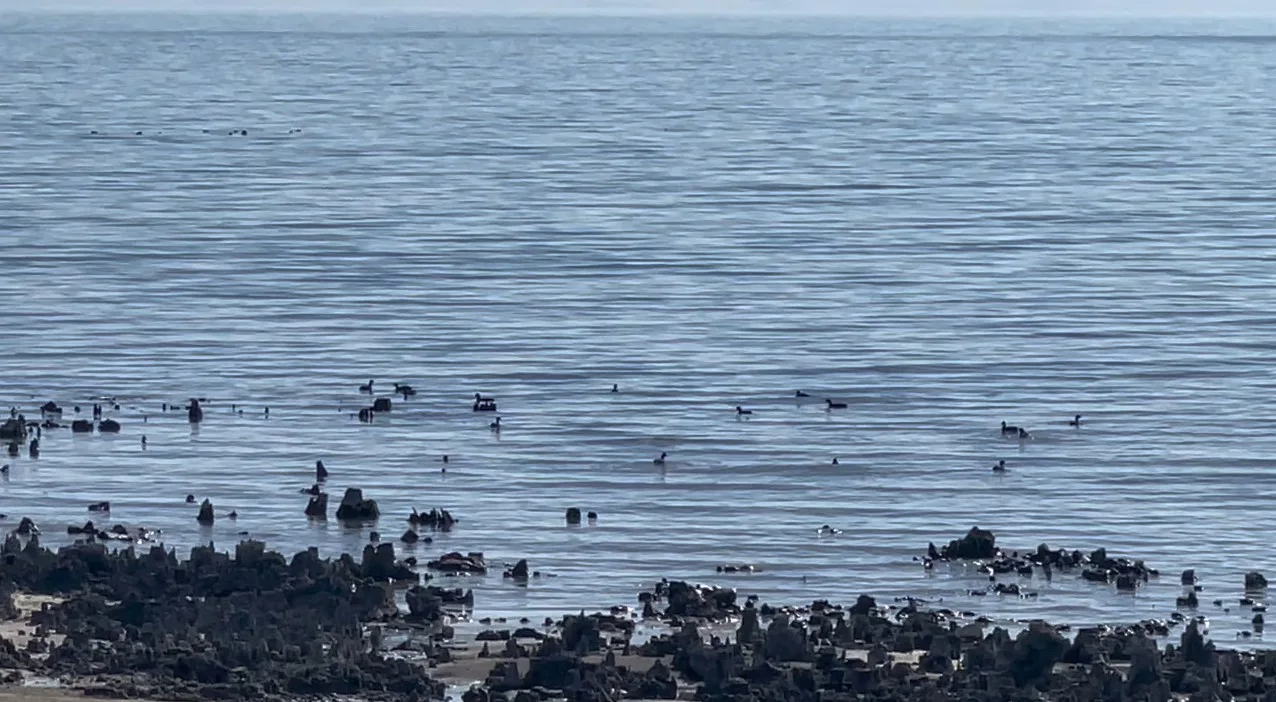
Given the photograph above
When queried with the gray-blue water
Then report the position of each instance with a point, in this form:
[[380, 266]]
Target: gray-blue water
[[943, 225]]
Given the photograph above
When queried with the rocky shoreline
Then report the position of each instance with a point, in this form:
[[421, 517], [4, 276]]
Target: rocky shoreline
[[257, 625]]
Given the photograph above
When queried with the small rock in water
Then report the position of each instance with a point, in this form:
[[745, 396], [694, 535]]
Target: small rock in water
[[318, 505], [519, 571], [355, 508], [573, 515], [1254, 580], [205, 516]]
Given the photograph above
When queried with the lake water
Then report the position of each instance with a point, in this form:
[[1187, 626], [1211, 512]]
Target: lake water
[[944, 225]]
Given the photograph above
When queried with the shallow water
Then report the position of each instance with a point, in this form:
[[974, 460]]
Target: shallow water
[[944, 225]]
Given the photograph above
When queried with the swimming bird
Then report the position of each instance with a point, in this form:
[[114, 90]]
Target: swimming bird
[[835, 460], [999, 467], [615, 387], [405, 390], [1076, 421], [1008, 429], [799, 393], [835, 405], [4, 469], [367, 388], [661, 461], [1023, 434], [445, 458], [740, 411], [827, 530], [495, 426]]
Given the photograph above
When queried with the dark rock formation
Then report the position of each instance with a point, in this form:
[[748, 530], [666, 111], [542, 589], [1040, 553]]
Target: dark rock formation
[[205, 515], [573, 515], [519, 571], [381, 404], [318, 506], [108, 426], [14, 429], [354, 507], [1254, 580], [437, 519], [458, 563], [211, 627], [977, 543]]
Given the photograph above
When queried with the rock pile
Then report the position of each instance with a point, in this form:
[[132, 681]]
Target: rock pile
[[1097, 566], [438, 519], [837, 654], [212, 626]]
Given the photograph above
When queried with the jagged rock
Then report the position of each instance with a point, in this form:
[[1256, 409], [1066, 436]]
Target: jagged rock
[[14, 430], [440, 520], [864, 605], [750, 629], [686, 600], [205, 515], [784, 642], [354, 507], [26, 527], [379, 564], [1036, 650], [977, 543], [318, 506], [519, 571]]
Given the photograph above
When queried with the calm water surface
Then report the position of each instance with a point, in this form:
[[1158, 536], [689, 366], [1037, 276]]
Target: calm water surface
[[944, 225]]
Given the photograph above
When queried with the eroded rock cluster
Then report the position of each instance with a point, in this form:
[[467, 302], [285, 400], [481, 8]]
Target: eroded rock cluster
[[252, 626]]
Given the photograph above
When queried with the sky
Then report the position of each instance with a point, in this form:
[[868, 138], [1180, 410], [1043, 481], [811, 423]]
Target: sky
[[888, 8]]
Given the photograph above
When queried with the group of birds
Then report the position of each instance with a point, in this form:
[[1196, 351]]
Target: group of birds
[[488, 404], [1024, 435]]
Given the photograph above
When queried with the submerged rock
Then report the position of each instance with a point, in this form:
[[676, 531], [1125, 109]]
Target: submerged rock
[[355, 508], [977, 543], [317, 506], [458, 563], [205, 515]]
